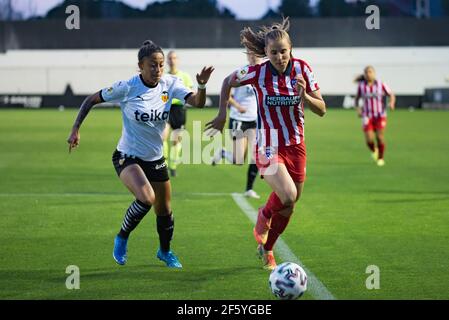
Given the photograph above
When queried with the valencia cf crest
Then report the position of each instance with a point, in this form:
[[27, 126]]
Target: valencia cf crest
[[164, 96]]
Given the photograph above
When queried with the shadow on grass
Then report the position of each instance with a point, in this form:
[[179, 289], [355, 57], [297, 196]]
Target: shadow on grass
[[157, 273], [118, 282]]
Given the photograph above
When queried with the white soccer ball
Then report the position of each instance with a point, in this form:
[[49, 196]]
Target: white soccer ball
[[288, 281]]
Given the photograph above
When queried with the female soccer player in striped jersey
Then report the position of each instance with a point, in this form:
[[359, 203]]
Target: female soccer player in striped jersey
[[145, 102], [242, 123], [373, 112], [283, 85]]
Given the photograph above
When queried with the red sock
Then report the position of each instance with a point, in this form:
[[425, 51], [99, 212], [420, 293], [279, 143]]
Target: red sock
[[278, 225], [371, 146], [381, 150], [274, 204]]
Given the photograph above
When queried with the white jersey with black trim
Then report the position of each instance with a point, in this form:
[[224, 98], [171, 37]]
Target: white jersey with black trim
[[246, 97], [145, 111]]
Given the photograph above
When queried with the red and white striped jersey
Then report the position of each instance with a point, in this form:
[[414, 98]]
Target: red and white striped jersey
[[280, 109], [373, 98]]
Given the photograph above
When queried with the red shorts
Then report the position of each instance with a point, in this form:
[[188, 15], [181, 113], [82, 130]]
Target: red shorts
[[293, 157], [373, 124]]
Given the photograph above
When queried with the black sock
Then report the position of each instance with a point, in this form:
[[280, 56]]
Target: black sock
[[165, 227], [135, 213], [252, 174]]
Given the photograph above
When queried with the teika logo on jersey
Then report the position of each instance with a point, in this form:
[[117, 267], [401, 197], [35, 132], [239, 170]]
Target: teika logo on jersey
[[282, 101], [154, 115]]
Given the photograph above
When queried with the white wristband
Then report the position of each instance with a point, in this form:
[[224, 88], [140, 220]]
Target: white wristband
[[201, 86]]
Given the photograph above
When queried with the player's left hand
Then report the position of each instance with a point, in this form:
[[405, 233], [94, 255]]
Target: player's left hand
[[392, 106], [204, 75]]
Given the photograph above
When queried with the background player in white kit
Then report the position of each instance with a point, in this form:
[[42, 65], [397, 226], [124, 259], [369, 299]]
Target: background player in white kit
[[145, 102], [243, 123]]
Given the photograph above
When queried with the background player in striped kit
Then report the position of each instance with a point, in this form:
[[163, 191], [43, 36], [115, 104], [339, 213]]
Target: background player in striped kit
[[145, 102], [373, 112], [177, 118], [242, 123], [283, 84]]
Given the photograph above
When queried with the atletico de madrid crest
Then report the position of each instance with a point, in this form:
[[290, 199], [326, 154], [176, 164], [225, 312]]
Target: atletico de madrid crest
[[294, 82], [269, 153]]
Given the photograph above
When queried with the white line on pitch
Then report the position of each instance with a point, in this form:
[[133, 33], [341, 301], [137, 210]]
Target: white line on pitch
[[316, 288]]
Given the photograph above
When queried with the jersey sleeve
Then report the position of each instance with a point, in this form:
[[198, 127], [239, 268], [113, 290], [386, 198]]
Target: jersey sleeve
[[386, 89], [309, 76], [115, 93], [246, 75], [180, 90]]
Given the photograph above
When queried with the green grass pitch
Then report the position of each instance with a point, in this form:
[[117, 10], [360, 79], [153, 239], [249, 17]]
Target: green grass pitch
[[58, 210]]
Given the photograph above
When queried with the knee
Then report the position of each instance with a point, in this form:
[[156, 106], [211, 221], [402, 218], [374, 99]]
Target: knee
[[289, 198], [162, 208], [147, 199], [370, 140]]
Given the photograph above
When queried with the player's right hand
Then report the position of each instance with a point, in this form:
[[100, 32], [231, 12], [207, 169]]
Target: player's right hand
[[74, 139], [215, 126]]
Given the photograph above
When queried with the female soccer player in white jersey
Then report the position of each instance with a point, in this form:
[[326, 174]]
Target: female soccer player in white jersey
[[373, 112], [283, 85], [145, 102], [242, 123]]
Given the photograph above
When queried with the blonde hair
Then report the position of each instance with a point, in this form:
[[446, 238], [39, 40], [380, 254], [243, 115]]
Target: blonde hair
[[256, 41]]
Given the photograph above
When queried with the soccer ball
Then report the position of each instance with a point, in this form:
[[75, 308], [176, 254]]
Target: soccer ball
[[288, 281]]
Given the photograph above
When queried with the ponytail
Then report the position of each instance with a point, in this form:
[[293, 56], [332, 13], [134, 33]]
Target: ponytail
[[360, 78], [256, 41], [147, 49]]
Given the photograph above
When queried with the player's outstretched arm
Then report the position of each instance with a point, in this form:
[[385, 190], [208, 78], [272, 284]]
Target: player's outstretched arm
[[86, 106], [217, 124], [198, 99]]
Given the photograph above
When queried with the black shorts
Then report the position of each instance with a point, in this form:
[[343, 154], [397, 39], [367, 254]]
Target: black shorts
[[154, 170], [177, 118], [238, 128]]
